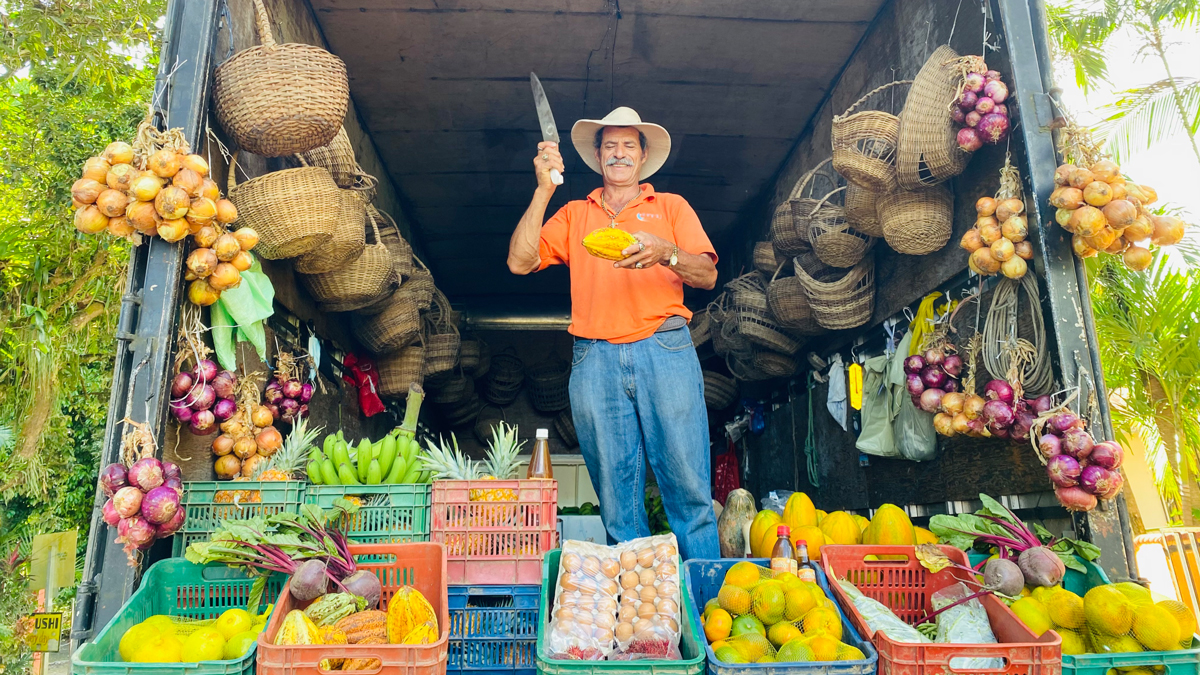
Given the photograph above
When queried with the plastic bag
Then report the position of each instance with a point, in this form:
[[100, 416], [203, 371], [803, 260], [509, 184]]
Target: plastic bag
[[912, 429], [880, 618], [617, 602], [776, 500], [966, 624], [878, 410]]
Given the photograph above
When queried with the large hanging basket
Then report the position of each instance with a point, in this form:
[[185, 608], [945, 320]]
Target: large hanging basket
[[927, 152], [347, 243], [789, 305], [861, 212], [864, 144], [831, 237], [280, 99], [724, 333], [402, 255], [789, 224], [839, 298], [547, 385], [774, 364], [505, 378], [468, 354], [754, 320], [719, 391], [294, 211], [452, 387], [917, 222], [399, 370], [358, 284], [393, 329], [441, 339], [700, 328], [338, 158], [766, 259]]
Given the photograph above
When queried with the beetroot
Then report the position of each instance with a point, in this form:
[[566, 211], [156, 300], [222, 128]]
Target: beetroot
[[1003, 576], [1041, 567], [309, 581], [365, 585]]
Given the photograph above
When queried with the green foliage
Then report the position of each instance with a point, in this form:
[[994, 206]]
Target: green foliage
[[15, 603], [1078, 36], [1147, 115]]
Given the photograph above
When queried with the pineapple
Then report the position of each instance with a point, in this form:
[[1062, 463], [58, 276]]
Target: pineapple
[[288, 463], [500, 464], [446, 461]]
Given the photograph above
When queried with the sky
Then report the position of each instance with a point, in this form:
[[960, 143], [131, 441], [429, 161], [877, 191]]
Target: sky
[[1169, 167]]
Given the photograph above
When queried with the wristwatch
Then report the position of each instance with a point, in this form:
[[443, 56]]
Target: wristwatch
[[674, 257]]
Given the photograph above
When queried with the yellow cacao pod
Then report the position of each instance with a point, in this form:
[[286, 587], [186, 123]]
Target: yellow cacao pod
[[608, 242], [407, 610], [298, 629]]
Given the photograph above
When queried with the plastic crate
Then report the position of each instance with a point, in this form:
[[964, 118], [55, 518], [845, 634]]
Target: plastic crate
[[204, 516], [703, 579], [906, 588], [421, 565], [493, 628], [495, 542], [691, 643], [178, 588], [390, 514]]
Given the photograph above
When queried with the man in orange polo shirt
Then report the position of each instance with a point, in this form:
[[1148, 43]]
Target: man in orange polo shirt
[[636, 385]]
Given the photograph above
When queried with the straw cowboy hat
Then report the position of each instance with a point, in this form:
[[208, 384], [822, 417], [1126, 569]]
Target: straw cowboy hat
[[658, 141]]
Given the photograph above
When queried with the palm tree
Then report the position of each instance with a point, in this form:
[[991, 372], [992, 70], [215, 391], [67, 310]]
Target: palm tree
[[1148, 326], [1148, 113]]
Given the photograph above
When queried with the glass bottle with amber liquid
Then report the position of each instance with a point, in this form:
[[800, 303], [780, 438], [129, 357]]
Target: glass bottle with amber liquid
[[783, 555], [539, 459]]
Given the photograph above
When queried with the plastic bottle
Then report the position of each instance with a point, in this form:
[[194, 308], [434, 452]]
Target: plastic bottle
[[803, 571], [783, 555], [539, 459]]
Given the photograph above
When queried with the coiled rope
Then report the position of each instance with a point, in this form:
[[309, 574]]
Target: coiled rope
[[1025, 364]]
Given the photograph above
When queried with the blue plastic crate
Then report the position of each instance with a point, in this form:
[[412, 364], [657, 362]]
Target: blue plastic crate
[[703, 579], [493, 628]]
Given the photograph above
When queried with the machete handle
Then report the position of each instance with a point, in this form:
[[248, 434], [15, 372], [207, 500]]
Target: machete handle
[[556, 177]]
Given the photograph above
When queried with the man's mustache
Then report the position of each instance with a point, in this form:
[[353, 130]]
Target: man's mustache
[[619, 161]]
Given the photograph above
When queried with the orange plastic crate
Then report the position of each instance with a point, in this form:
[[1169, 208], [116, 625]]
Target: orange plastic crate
[[906, 588], [498, 542], [421, 565]]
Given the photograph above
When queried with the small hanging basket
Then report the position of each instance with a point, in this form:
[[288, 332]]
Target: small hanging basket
[[864, 144], [484, 363], [700, 327], [719, 391], [393, 329], [927, 151], [774, 364], [743, 368], [754, 320], [441, 339], [547, 385], [789, 224], [349, 238], [789, 305], [402, 255], [766, 260], [564, 424], [280, 99], [839, 298], [724, 329], [399, 370], [832, 239], [468, 354], [861, 212], [917, 222], [505, 378], [294, 211], [420, 284], [451, 388], [338, 158], [360, 283], [463, 413]]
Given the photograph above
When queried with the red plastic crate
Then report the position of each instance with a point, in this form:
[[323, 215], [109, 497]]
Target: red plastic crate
[[906, 588], [421, 565], [497, 542]]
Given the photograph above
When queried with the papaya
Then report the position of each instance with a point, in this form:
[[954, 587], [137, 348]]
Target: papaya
[[820, 517], [799, 510], [860, 521], [812, 536], [924, 536], [890, 527], [765, 520], [839, 528], [738, 513]]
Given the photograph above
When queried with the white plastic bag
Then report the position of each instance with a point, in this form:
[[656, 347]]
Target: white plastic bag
[[965, 624], [880, 618]]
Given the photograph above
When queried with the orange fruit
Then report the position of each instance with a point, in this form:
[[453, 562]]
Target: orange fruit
[[734, 599], [782, 633], [718, 625], [825, 647], [797, 602], [768, 601], [744, 574], [823, 621]]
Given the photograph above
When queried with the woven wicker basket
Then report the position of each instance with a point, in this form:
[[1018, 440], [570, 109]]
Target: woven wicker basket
[[547, 385], [564, 424], [861, 212], [505, 378], [724, 328], [789, 224], [399, 370], [789, 305], [294, 211], [700, 327], [420, 284], [396, 327], [468, 354], [338, 158], [402, 255], [754, 320], [452, 388], [280, 99], [927, 152], [463, 413], [832, 239], [774, 364], [743, 368], [839, 298], [917, 222], [372, 309], [348, 241], [719, 391], [485, 361], [360, 283], [864, 144], [766, 260], [441, 338]]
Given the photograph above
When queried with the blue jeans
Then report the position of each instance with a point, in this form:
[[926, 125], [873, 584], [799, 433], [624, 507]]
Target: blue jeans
[[646, 397]]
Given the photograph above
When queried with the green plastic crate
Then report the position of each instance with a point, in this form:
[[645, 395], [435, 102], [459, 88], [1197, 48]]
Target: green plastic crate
[[1181, 662], [691, 644], [178, 588], [204, 516], [391, 514]]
